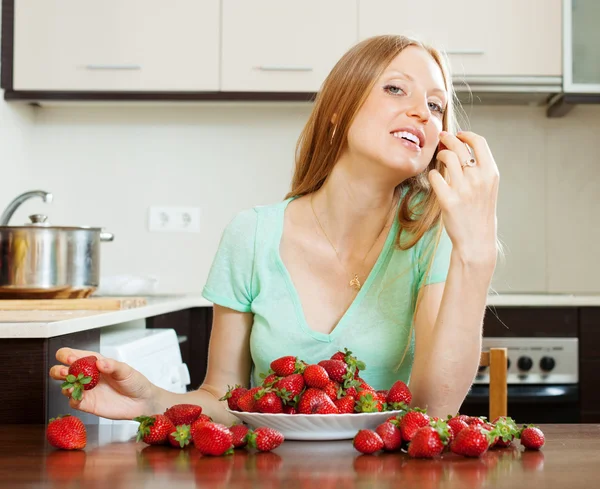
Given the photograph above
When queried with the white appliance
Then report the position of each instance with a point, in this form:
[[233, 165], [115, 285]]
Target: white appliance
[[153, 352]]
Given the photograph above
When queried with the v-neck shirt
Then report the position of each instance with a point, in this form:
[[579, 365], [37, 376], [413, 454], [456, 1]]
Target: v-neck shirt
[[248, 275]]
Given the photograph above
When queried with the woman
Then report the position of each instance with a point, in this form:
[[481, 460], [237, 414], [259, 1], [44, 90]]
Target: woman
[[356, 256]]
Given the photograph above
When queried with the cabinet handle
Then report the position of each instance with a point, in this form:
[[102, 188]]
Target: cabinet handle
[[113, 67], [284, 68], [466, 51]]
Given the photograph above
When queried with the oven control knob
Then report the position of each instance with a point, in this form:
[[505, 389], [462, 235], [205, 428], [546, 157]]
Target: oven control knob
[[547, 364], [481, 368], [508, 363], [525, 363]]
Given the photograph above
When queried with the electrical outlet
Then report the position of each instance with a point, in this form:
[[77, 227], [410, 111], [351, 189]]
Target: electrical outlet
[[174, 219]]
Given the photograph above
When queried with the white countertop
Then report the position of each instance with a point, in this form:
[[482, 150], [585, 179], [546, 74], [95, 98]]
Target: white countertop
[[165, 304]]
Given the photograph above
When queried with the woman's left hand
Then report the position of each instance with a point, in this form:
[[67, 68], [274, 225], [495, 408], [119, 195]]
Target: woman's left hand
[[468, 199]]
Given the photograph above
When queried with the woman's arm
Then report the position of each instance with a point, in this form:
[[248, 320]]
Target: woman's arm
[[448, 330], [229, 363]]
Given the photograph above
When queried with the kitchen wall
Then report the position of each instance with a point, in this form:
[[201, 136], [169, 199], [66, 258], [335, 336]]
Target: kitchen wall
[[106, 165]]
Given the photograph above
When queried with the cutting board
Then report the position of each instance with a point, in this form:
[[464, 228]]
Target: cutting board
[[43, 316], [89, 304]]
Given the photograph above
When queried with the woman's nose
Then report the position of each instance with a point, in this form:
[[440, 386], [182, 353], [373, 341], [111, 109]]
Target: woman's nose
[[419, 108]]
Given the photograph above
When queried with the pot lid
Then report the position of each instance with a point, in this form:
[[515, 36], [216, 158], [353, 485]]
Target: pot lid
[[41, 221]]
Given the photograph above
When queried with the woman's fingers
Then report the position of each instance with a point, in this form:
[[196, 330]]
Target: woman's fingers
[[482, 152], [59, 372], [69, 355], [450, 160]]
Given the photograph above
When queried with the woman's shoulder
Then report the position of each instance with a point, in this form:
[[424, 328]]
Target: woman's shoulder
[[247, 219]]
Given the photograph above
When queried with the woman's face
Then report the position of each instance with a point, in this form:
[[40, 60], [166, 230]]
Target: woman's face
[[399, 124]]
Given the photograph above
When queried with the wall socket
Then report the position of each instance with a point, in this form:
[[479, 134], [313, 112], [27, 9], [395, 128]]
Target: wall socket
[[174, 219]]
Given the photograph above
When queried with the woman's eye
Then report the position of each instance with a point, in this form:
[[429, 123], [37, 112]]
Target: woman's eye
[[436, 107], [394, 90]]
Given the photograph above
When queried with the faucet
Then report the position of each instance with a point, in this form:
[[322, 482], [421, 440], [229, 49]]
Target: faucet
[[17, 201]]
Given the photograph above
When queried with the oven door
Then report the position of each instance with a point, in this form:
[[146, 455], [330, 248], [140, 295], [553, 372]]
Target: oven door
[[529, 403]]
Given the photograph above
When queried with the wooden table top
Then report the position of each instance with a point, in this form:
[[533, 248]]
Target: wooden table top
[[570, 459]]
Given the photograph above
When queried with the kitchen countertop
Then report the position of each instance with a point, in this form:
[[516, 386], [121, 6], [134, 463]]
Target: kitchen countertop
[[84, 320], [570, 458]]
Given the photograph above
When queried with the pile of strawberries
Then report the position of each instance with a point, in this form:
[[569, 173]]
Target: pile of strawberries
[[331, 386], [425, 437]]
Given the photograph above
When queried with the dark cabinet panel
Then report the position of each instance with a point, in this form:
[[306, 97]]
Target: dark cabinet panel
[[532, 322]]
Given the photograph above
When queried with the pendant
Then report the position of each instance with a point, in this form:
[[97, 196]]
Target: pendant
[[355, 283]]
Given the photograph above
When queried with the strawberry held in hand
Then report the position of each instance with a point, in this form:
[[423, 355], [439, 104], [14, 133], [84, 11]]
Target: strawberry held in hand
[[154, 430], [83, 375], [66, 432]]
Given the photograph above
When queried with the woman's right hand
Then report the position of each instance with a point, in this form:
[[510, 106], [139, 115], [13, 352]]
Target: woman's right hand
[[121, 393]]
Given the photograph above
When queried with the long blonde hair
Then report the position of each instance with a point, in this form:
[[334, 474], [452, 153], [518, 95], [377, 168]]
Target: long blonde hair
[[341, 96]]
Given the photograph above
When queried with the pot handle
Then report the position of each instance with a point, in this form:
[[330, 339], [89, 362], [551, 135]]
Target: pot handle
[[107, 236]]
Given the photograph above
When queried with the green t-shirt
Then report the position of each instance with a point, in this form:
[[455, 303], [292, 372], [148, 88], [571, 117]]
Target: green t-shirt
[[248, 275]]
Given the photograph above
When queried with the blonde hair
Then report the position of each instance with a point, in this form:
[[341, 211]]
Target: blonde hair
[[322, 141]]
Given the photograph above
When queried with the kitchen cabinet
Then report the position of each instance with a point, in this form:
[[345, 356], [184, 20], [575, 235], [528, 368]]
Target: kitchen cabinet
[[492, 38], [275, 46], [116, 45]]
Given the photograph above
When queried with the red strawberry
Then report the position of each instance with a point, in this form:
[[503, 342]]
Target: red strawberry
[[265, 439], [286, 366], [83, 375], [213, 439], [180, 414], [474, 421], [363, 385], [399, 396], [411, 422], [267, 402], [327, 408], [506, 429], [456, 424], [367, 441], [368, 402], [471, 442], [340, 355], [270, 379], [390, 435], [66, 432], [289, 387], [332, 389], [181, 436], [429, 441], [316, 376], [354, 365], [154, 430], [336, 369], [351, 391], [311, 400], [239, 432], [247, 400], [532, 437], [290, 410], [202, 419], [345, 404], [232, 396]]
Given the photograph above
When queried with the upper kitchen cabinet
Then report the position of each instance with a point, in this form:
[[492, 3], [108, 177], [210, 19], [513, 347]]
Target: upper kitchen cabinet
[[115, 45], [492, 38], [581, 43], [283, 46]]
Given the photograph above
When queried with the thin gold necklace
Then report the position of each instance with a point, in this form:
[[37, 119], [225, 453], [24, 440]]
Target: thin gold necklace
[[355, 281]]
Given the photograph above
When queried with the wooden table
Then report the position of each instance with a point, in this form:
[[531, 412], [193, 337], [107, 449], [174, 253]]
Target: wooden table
[[570, 459]]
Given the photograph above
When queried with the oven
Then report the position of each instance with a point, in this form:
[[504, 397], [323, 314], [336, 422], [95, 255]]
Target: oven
[[543, 381]]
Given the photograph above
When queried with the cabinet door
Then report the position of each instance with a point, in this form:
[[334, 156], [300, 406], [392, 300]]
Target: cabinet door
[[116, 45], [284, 46], [582, 38], [481, 38]]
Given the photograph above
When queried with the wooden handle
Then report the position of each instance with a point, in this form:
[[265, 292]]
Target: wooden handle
[[90, 304]]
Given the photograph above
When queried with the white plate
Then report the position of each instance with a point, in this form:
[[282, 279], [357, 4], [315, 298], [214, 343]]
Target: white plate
[[316, 426]]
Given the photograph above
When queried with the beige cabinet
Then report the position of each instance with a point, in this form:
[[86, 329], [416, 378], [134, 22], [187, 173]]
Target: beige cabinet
[[504, 38], [283, 46], [116, 45]]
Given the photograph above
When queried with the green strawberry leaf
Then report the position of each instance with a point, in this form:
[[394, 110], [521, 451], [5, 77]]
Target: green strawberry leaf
[[77, 393], [71, 378], [85, 380]]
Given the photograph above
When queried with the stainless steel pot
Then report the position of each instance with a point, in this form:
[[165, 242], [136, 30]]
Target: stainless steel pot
[[38, 260]]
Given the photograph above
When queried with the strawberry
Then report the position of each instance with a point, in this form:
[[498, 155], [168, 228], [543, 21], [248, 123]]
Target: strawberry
[[476, 421], [247, 400], [471, 442], [429, 441], [232, 396], [288, 388], [213, 439], [239, 432], [363, 385], [66, 432], [390, 435], [286, 366], [336, 369], [270, 379], [340, 355], [456, 424], [265, 439], [154, 430], [202, 419], [181, 436], [267, 402], [180, 414], [316, 376], [368, 402], [332, 389], [311, 400], [351, 391], [399, 396], [367, 441], [413, 420], [354, 365], [345, 404], [327, 408], [506, 429], [290, 410], [532, 437], [83, 375]]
